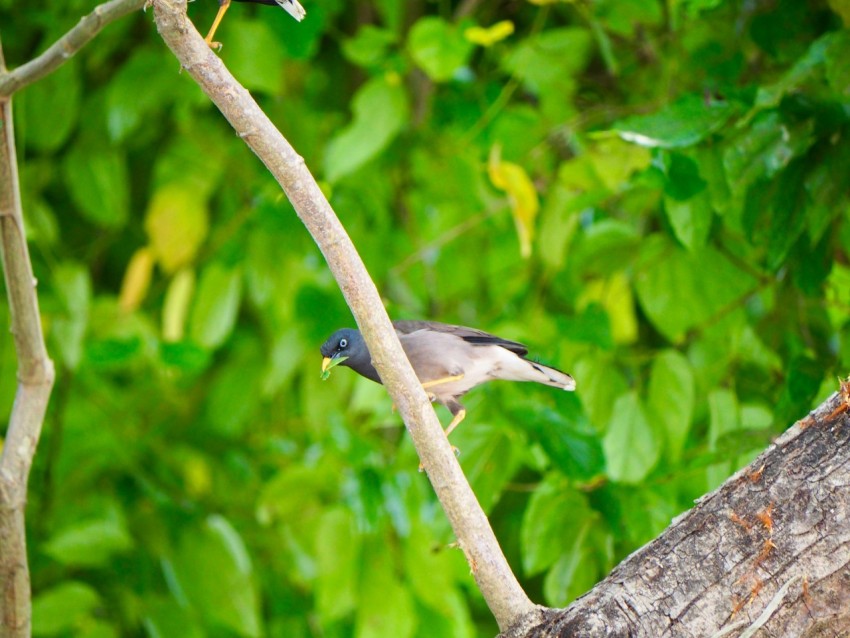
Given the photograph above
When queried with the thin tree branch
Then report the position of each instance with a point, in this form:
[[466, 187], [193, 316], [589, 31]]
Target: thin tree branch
[[66, 46], [35, 380], [499, 586]]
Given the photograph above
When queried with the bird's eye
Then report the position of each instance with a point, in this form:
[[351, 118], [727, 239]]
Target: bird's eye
[[343, 343]]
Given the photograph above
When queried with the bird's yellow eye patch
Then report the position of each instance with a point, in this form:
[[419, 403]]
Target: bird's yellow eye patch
[[329, 364]]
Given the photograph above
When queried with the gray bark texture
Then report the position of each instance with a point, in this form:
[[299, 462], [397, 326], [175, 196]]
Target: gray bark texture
[[765, 555]]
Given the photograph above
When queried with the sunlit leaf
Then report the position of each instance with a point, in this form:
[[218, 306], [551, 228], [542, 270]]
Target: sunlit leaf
[[438, 47], [671, 399], [254, 53], [63, 608], [631, 447], [522, 195], [488, 36], [175, 310], [381, 100], [137, 279], [176, 224], [216, 305], [90, 543]]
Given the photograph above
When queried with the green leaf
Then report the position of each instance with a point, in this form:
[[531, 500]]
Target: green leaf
[[385, 607], [606, 247], [548, 61], [234, 393], [671, 399], [599, 382], [216, 305], [68, 329], [369, 47], [338, 572], [488, 458], [764, 149], [438, 48], [555, 516], [690, 219], [214, 571], [169, 619], [429, 566], [98, 183], [63, 608], [681, 290], [566, 436], [128, 108], [50, 108], [254, 54], [380, 111], [685, 122], [631, 447], [90, 543], [575, 571], [723, 419]]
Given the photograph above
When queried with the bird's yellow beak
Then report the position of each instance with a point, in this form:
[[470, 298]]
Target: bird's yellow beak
[[326, 363]]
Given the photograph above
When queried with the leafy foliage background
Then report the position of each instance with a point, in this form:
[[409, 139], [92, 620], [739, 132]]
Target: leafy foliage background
[[653, 196]]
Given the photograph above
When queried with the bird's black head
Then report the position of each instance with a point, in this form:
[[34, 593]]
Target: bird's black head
[[349, 343]]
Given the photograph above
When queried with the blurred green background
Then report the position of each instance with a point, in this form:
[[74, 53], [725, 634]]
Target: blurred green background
[[653, 196]]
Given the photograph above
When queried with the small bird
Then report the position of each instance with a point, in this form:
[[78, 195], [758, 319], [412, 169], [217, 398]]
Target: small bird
[[449, 360], [292, 7]]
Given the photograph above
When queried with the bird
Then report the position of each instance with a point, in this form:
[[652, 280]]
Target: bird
[[449, 361], [292, 7]]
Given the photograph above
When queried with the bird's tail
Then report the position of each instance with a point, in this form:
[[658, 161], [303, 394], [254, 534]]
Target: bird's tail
[[538, 373]]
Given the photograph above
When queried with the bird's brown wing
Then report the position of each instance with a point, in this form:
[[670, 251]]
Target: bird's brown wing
[[470, 335]]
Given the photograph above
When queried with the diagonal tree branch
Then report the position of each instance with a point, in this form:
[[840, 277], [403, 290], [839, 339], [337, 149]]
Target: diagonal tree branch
[[35, 381], [66, 46], [499, 586]]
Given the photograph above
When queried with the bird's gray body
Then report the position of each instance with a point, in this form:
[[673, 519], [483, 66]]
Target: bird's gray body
[[440, 351]]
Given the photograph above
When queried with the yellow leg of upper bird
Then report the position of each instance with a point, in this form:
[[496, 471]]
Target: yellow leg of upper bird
[[431, 384], [224, 5], [460, 416]]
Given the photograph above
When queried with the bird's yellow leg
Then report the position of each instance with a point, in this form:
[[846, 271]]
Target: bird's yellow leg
[[222, 9], [460, 416], [431, 384]]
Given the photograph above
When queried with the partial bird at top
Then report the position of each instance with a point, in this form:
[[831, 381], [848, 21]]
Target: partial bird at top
[[292, 7], [449, 360]]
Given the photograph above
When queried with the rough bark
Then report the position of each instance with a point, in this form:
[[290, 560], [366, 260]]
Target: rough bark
[[766, 554]]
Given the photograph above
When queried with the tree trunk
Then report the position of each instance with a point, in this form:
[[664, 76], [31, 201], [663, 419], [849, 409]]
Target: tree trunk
[[767, 553]]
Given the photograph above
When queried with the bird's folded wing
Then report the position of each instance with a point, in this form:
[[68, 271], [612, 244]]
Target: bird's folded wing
[[470, 335]]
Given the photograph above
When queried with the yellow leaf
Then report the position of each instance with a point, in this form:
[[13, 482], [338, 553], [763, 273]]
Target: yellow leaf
[[842, 8], [176, 223], [197, 475], [522, 196], [541, 3], [176, 306], [137, 280], [488, 36], [614, 294]]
